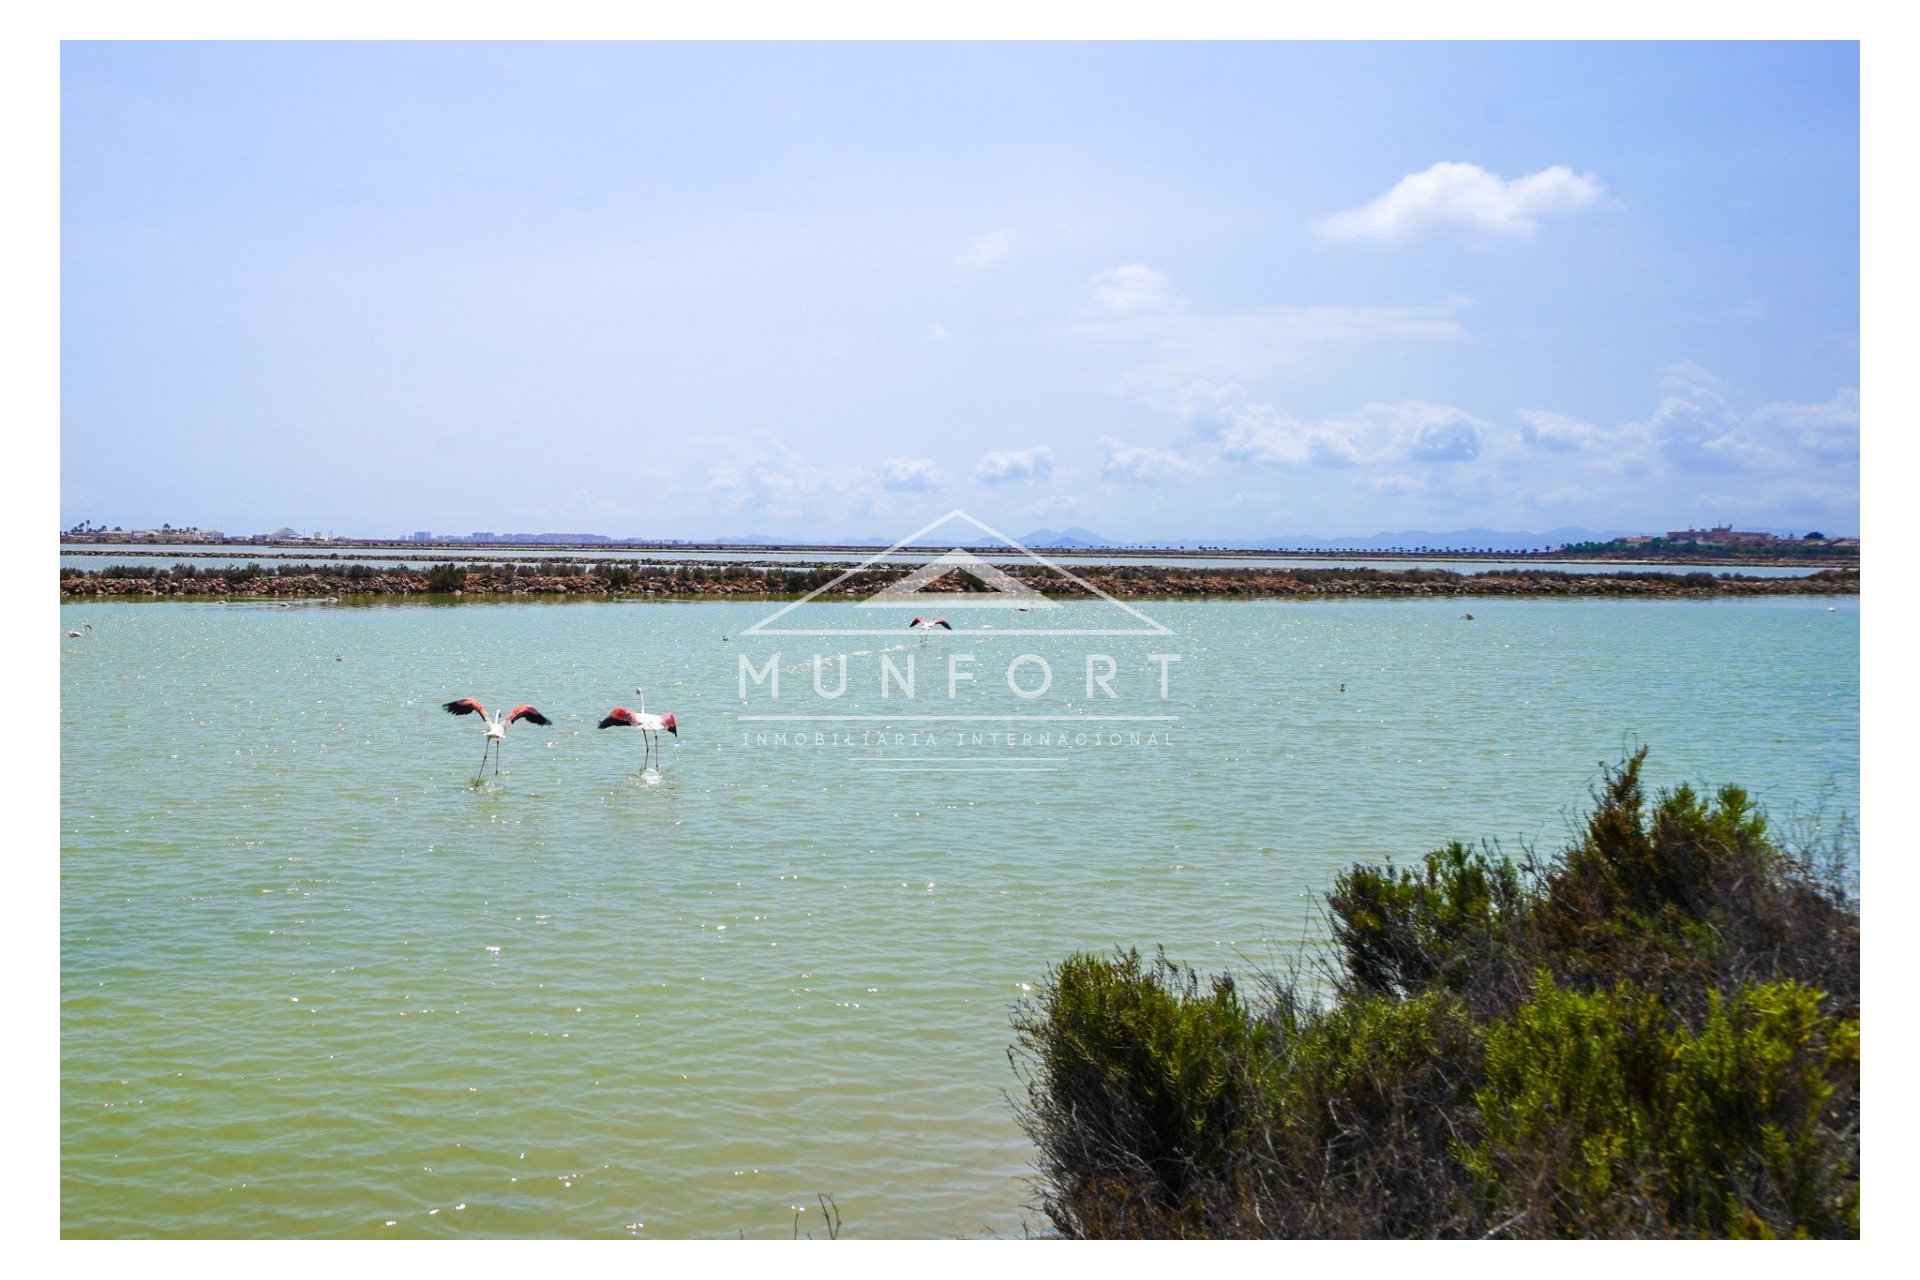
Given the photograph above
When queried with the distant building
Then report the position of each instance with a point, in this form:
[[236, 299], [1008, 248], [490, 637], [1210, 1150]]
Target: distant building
[[1723, 536], [422, 535]]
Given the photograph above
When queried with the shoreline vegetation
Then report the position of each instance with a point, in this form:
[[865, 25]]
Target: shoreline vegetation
[[626, 580], [1654, 1033]]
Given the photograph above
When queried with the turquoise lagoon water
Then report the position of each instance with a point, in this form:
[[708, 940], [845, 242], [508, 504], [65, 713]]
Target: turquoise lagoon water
[[316, 981]]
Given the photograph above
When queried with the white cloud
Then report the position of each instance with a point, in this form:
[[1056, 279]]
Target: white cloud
[[1138, 464], [988, 248], [911, 475], [1411, 431], [1059, 507], [1830, 431], [1466, 198], [1133, 290], [1556, 431], [1185, 351], [937, 331], [1698, 455], [1398, 485], [766, 480], [1015, 464]]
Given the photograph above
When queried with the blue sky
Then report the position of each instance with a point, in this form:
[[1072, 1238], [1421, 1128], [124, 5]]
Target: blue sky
[[1157, 290]]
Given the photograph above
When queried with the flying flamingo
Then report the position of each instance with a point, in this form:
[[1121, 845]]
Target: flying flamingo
[[496, 724], [648, 725], [924, 625]]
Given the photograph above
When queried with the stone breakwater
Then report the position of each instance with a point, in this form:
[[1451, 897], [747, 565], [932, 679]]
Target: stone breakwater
[[746, 581]]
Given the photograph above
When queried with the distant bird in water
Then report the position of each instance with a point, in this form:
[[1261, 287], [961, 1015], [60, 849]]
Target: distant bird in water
[[1343, 686], [496, 724], [76, 635], [648, 725], [1467, 616], [924, 625]]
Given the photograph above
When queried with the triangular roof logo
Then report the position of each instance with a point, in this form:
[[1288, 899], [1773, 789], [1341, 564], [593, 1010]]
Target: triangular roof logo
[[1001, 590]]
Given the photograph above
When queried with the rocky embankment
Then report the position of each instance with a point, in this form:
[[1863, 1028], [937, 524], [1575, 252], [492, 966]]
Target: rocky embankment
[[745, 581]]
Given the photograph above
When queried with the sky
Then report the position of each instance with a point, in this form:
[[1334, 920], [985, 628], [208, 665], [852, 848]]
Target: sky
[[1157, 291]]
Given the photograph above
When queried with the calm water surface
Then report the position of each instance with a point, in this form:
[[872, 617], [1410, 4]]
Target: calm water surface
[[316, 981]]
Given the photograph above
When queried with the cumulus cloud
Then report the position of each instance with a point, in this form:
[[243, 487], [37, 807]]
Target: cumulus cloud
[[1556, 431], [1181, 347], [1698, 451], [988, 248], [911, 475], [1398, 485], [1133, 289], [1464, 198], [1411, 431], [773, 483], [1138, 464], [1830, 431], [1015, 464]]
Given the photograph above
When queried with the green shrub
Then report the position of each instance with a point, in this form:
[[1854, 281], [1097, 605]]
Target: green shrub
[[1144, 1092], [444, 579], [1604, 1114], [1407, 931], [1654, 1034]]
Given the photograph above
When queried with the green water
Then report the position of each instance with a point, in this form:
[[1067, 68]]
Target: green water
[[317, 982]]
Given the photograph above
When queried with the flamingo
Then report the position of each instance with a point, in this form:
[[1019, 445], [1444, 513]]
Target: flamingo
[[648, 725], [496, 724], [76, 635], [924, 625]]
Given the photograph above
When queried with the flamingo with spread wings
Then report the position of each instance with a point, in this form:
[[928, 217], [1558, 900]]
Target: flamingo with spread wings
[[648, 724], [924, 625], [496, 724]]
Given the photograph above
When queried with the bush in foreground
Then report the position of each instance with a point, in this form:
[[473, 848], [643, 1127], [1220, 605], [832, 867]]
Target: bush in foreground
[[1654, 1034]]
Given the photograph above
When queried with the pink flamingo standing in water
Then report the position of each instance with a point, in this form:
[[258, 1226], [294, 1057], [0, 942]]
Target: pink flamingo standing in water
[[496, 724], [648, 725]]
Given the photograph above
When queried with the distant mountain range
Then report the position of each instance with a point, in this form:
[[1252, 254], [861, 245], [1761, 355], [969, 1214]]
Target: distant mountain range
[[1453, 539], [1076, 538]]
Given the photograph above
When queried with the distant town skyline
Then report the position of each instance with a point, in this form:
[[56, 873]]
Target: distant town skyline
[[1200, 292]]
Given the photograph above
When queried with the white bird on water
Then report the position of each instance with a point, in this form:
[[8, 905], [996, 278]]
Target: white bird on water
[[496, 724], [75, 635], [649, 726]]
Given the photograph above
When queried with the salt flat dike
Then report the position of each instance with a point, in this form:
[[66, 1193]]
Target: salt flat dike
[[745, 581]]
